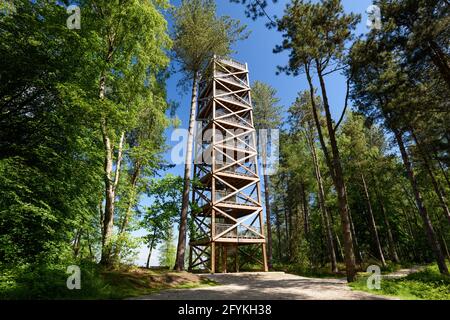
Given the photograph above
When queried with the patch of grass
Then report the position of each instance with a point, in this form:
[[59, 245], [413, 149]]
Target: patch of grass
[[427, 284], [140, 281], [49, 282], [325, 271], [319, 272]]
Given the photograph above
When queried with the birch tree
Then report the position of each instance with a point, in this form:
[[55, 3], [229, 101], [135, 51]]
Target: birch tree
[[130, 39]]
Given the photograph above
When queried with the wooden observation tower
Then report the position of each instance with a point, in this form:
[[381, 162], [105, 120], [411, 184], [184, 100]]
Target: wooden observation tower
[[227, 229]]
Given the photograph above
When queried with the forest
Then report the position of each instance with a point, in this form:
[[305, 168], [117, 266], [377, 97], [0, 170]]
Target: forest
[[85, 117]]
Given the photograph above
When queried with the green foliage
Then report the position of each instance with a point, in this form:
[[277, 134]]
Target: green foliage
[[398, 80], [50, 164], [158, 219], [48, 281], [314, 32], [308, 271], [266, 111], [199, 35], [52, 149], [393, 85], [167, 250], [398, 72], [428, 284]]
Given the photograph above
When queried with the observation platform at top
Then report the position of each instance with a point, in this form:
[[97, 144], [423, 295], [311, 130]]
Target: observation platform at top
[[232, 63]]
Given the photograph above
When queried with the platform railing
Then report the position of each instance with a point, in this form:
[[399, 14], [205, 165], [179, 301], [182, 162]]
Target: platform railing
[[234, 199], [231, 62], [236, 232], [234, 79]]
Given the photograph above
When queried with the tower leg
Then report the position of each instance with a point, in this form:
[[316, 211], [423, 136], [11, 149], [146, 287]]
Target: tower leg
[[224, 258], [213, 257], [236, 259], [190, 258], [266, 269]]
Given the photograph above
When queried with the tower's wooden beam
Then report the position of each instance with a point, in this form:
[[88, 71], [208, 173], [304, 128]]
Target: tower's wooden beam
[[226, 104]]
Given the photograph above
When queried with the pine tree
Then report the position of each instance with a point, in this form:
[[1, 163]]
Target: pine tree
[[198, 35], [267, 116], [316, 36]]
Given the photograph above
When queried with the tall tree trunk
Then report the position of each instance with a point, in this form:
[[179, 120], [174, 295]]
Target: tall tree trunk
[[278, 227], [110, 192], [291, 234], [359, 257], [411, 234], [392, 249], [76, 243], [305, 209], [181, 248], [431, 235], [337, 175], [439, 58], [108, 216], [444, 173], [106, 221], [150, 247], [127, 215], [339, 246], [444, 242], [286, 227], [132, 198], [296, 232], [373, 224], [437, 188], [100, 209], [268, 222], [446, 247], [357, 248], [325, 216], [286, 219], [91, 255]]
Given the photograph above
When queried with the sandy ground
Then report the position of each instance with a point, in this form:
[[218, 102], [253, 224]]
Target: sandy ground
[[266, 286]]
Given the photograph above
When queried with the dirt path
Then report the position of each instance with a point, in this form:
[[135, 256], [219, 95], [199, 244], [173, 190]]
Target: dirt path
[[403, 272], [266, 286]]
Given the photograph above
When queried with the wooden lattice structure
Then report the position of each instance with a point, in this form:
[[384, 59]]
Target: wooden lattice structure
[[228, 213]]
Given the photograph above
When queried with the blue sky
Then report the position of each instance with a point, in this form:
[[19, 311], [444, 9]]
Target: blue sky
[[262, 63]]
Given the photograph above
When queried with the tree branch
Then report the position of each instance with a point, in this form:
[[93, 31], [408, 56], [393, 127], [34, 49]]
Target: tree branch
[[264, 11], [119, 160], [347, 94], [334, 70]]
